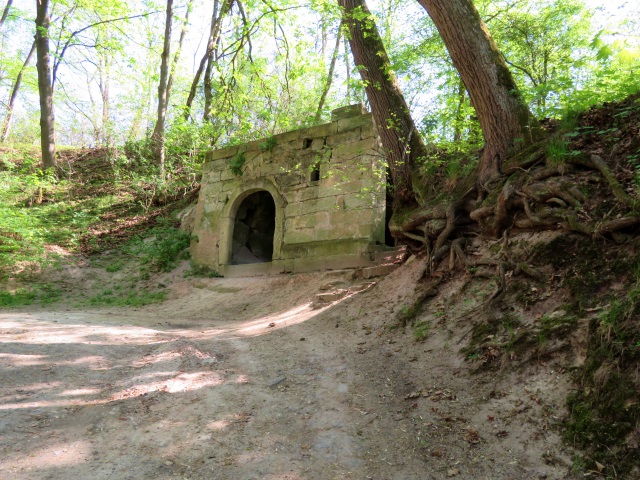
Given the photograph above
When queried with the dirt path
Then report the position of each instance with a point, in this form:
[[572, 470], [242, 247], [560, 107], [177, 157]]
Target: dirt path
[[244, 379]]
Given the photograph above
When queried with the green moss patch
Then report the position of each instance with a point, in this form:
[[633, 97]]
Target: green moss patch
[[604, 417]]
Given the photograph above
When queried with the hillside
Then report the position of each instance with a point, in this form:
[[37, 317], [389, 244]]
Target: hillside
[[518, 362]]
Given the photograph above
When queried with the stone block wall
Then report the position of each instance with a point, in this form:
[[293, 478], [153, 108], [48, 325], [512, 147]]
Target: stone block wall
[[328, 185]]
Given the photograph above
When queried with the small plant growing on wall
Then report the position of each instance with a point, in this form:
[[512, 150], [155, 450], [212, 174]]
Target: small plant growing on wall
[[269, 144], [236, 163]]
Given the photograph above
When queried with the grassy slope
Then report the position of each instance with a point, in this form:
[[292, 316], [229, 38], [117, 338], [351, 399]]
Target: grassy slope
[[98, 202]]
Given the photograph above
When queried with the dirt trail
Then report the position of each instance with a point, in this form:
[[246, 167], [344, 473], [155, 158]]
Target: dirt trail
[[244, 379]]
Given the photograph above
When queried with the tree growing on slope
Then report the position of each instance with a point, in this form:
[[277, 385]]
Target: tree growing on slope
[[401, 141], [45, 88], [506, 122]]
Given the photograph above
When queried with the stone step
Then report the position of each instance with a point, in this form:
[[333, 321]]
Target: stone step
[[390, 256], [394, 255], [379, 270], [323, 299]]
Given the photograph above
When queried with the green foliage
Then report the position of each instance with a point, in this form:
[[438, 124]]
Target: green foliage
[[163, 246], [421, 330], [408, 313], [38, 210], [28, 217], [131, 299], [18, 298], [558, 151], [611, 75], [545, 43], [43, 294], [236, 163], [201, 271], [269, 144], [449, 162], [114, 267], [605, 409]]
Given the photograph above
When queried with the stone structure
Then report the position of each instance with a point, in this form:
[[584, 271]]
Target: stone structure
[[306, 200]]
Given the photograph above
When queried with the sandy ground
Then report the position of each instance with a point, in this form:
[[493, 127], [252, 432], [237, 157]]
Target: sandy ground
[[249, 379]]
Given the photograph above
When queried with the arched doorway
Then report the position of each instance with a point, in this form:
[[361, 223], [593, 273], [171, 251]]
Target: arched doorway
[[253, 229]]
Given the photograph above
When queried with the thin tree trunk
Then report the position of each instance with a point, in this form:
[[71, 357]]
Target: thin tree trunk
[[332, 67], [203, 61], [214, 34], [348, 67], [457, 127], [208, 89], [158, 132], [5, 13], [45, 90], [14, 94], [176, 57], [104, 94], [401, 141], [507, 124]]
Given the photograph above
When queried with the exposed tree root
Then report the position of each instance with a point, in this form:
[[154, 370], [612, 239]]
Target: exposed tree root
[[449, 227], [596, 162], [617, 224], [526, 159], [532, 195]]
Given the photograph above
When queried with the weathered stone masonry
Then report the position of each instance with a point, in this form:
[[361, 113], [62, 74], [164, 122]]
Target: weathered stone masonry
[[328, 186]]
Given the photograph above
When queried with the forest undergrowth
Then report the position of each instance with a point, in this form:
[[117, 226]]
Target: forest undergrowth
[[104, 207], [113, 210]]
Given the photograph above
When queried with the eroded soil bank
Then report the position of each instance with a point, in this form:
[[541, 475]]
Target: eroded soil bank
[[250, 379]]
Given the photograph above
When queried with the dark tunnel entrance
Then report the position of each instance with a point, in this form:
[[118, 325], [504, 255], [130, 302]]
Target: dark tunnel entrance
[[253, 229]]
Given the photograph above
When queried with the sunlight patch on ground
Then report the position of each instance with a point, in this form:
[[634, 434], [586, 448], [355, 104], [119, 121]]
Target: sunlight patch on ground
[[157, 358], [184, 382], [218, 425], [58, 455], [79, 329], [264, 325], [23, 360], [284, 476], [78, 392], [44, 333]]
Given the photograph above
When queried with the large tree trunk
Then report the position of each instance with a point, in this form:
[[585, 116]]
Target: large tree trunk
[[14, 94], [47, 121], [158, 132], [507, 124], [400, 139]]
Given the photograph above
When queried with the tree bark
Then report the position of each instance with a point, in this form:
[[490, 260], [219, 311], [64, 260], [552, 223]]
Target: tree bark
[[14, 94], [104, 81], [45, 90], [400, 139], [332, 66], [5, 12], [507, 125], [208, 89], [176, 57], [158, 132], [457, 127], [214, 35]]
